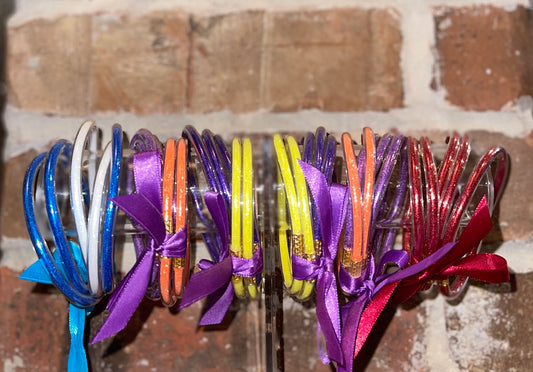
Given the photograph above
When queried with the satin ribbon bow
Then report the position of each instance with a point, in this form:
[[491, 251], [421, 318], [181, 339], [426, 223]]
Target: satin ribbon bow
[[449, 260], [331, 205], [145, 208], [214, 279]]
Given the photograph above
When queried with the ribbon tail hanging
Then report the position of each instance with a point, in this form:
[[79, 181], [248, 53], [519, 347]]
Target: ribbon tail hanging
[[328, 316], [77, 357], [127, 297], [217, 306], [350, 330]]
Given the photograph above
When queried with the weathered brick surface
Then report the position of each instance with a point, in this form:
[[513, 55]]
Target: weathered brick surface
[[225, 67], [491, 320], [48, 63], [485, 55], [382, 352], [335, 60], [139, 63], [171, 62], [397, 343], [492, 330], [12, 222], [33, 320], [157, 339]]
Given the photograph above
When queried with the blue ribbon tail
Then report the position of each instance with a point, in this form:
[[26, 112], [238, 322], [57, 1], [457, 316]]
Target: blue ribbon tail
[[36, 273], [77, 358]]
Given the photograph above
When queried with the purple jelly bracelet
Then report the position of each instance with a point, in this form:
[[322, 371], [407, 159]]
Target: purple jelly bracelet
[[320, 138], [217, 159], [392, 211], [308, 146], [329, 159], [212, 240]]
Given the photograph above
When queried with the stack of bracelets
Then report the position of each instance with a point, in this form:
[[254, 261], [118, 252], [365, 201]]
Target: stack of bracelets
[[358, 226]]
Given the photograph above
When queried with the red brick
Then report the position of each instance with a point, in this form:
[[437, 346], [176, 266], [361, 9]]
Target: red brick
[[139, 63], [12, 212], [163, 340], [48, 65], [485, 55], [397, 343], [225, 67], [334, 60], [33, 320]]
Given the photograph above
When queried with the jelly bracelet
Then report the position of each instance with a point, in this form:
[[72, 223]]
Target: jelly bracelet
[[320, 153], [145, 207], [361, 194], [498, 157], [243, 236], [219, 158], [202, 165], [95, 233], [65, 267], [302, 243], [389, 193], [57, 267], [174, 270]]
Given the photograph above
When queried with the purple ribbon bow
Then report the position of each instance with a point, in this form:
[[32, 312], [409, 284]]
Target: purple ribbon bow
[[214, 279], [331, 205], [145, 208]]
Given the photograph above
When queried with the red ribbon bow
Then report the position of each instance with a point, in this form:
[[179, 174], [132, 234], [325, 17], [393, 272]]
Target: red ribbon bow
[[448, 260]]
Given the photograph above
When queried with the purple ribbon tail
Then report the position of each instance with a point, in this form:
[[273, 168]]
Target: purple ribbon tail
[[353, 311], [328, 316], [217, 306], [208, 282], [127, 297]]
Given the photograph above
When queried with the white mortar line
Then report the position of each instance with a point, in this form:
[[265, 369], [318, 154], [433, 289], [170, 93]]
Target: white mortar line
[[437, 348], [417, 55], [31, 9], [27, 130]]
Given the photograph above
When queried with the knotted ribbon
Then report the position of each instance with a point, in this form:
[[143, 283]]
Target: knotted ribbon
[[214, 279], [145, 207], [331, 205], [449, 260]]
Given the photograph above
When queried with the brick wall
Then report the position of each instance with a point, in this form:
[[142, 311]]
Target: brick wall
[[416, 66]]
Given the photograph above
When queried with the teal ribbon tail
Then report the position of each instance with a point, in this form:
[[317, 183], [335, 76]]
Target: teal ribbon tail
[[77, 357]]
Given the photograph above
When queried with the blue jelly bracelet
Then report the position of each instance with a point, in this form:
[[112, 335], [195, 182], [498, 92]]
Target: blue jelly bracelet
[[61, 151], [108, 269], [53, 263]]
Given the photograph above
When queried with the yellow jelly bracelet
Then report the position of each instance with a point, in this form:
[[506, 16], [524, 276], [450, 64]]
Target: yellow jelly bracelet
[[242, 221], [295, 201], [247, 213], [236, 247]]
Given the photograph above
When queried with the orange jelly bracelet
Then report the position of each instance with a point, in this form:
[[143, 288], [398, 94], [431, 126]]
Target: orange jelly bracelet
[[181, 265], [168, 295]]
